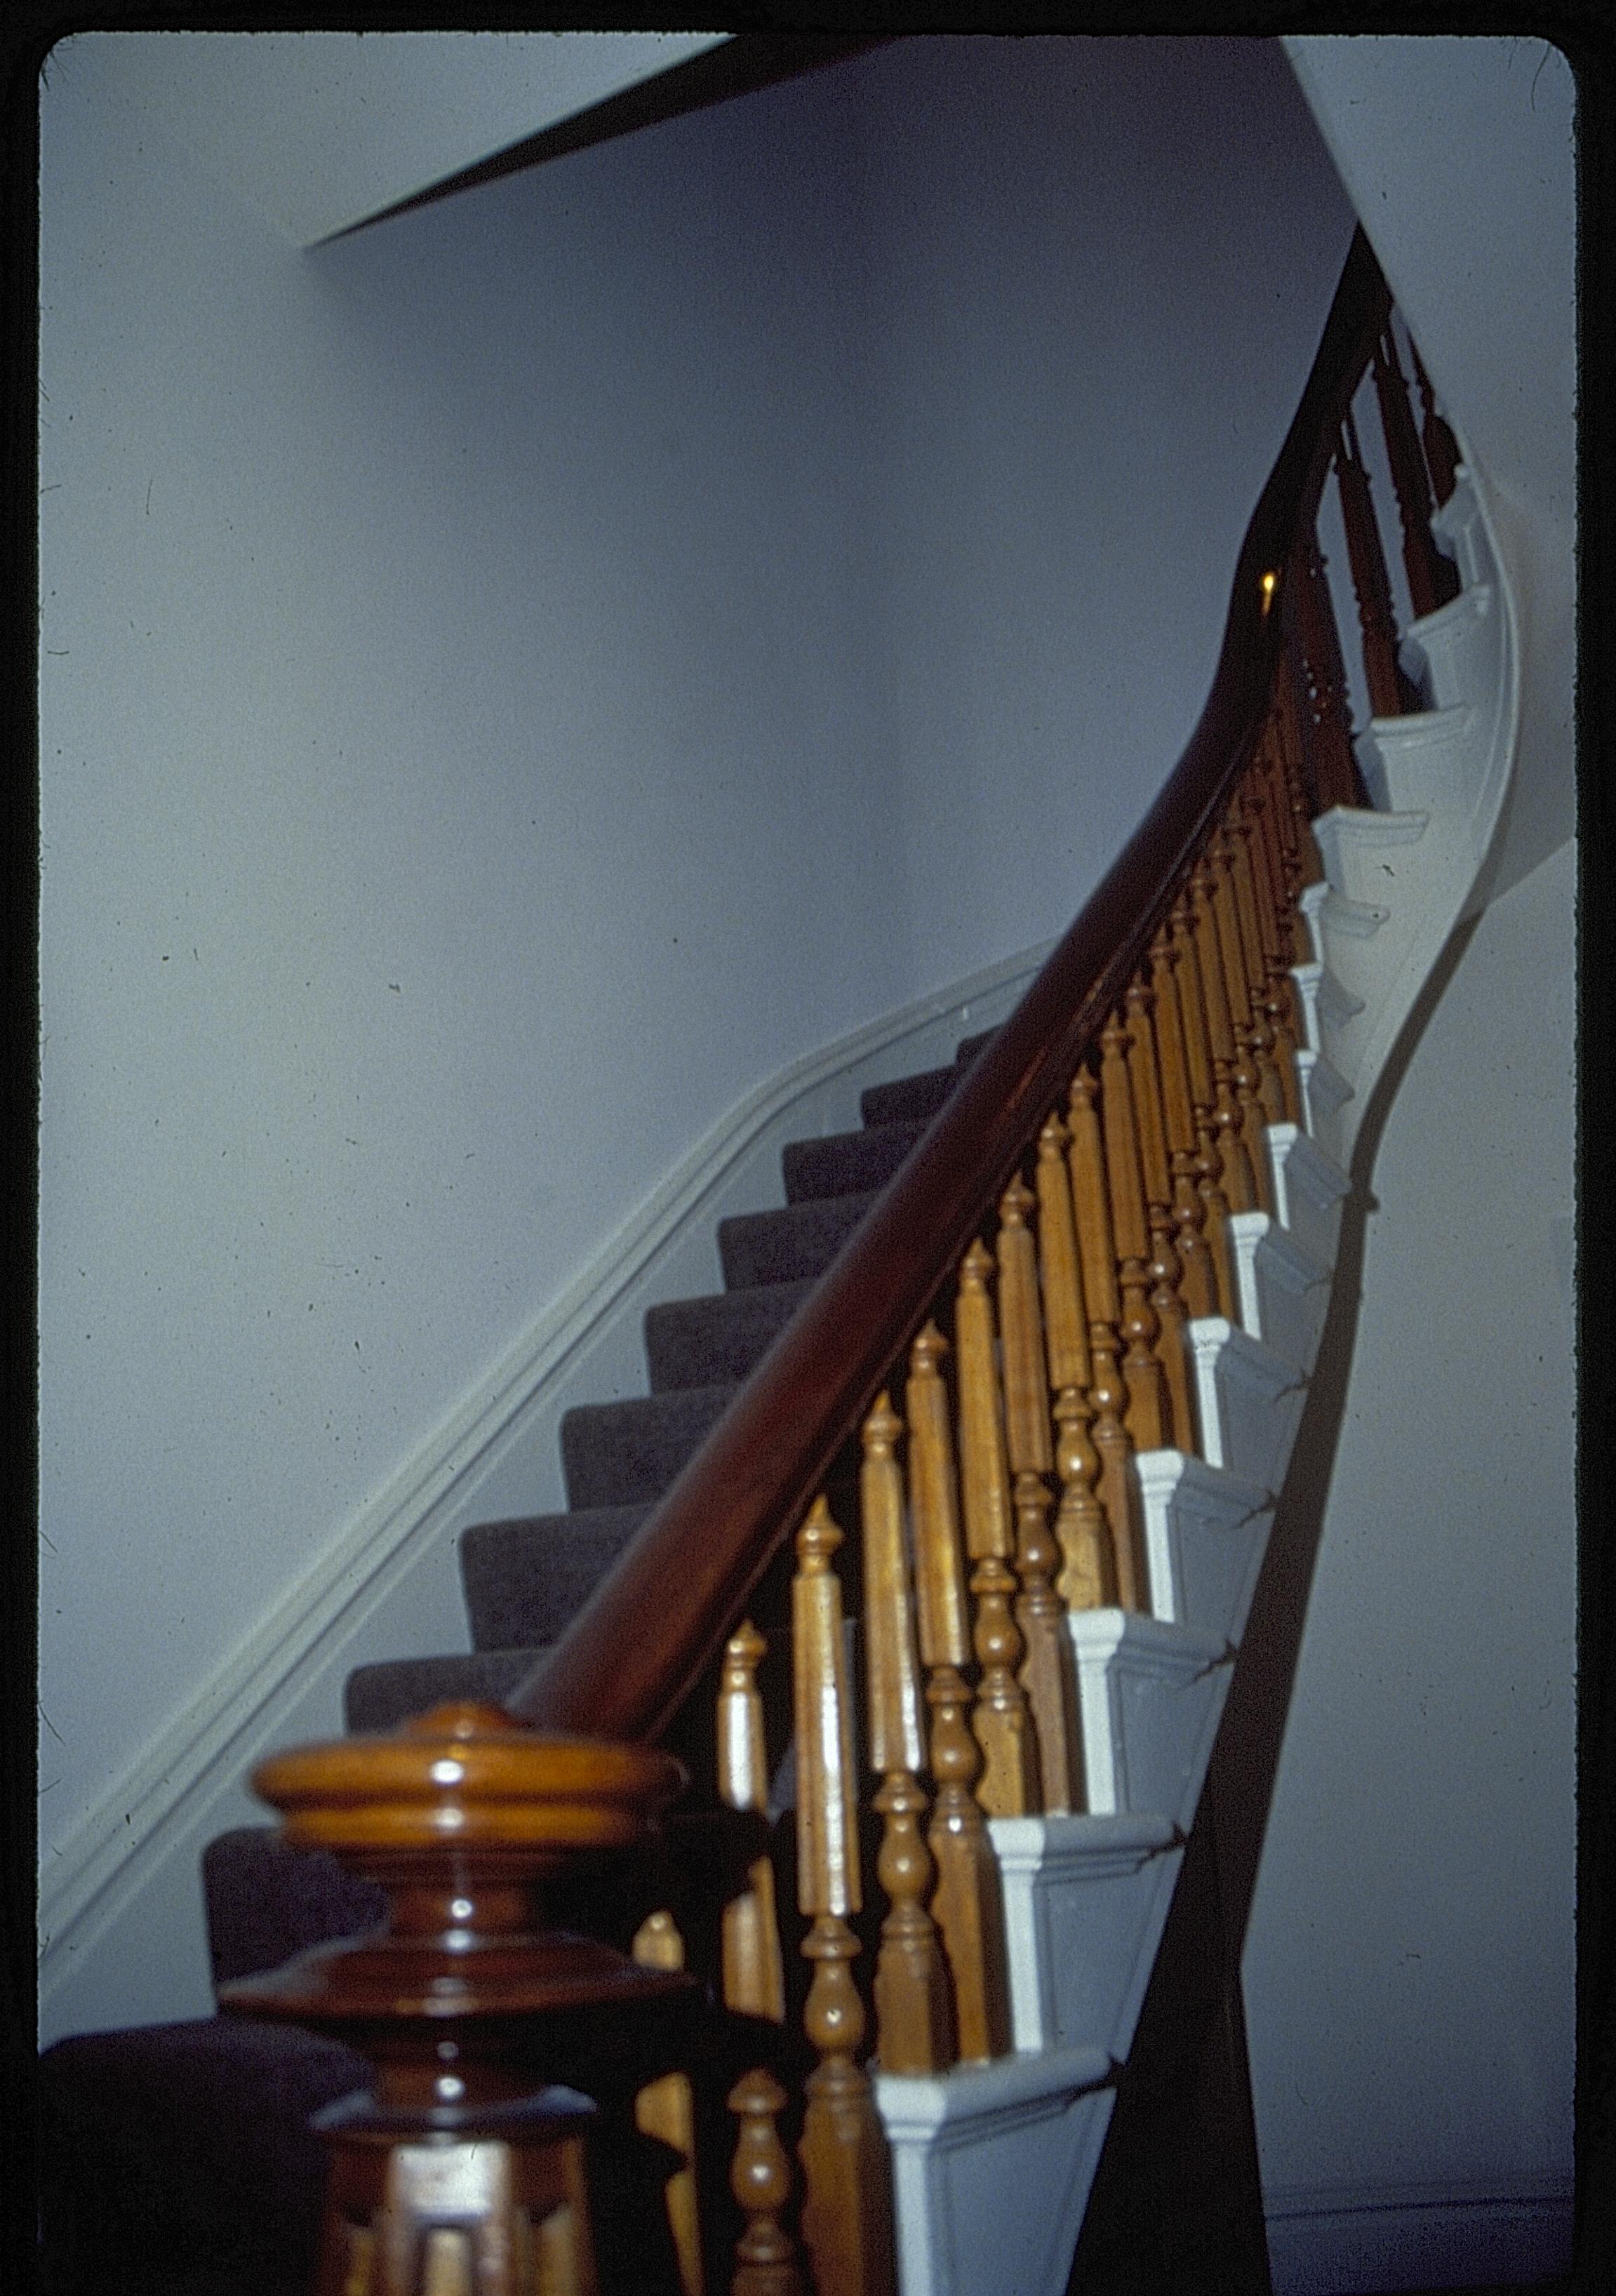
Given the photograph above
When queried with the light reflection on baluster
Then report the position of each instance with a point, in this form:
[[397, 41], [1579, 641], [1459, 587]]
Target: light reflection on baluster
[[1165, 1269], [1091, 1204], [1088, 1571], [967, 1907], [914, 2013], [1244, 1072], [665, 2109], [847, 2176], [765, 2254], [1009, 1784], [1267, 883], [1046, 1675], [1204, 1098], [1238, 1183], [753, 1981], [1198, 1281]]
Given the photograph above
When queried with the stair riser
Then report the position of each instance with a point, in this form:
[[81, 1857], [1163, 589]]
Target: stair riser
[[963, 2189], [1149, 1699], [1283, 1294], [1083, 1917], [1247, 1402], [1204, 1536]]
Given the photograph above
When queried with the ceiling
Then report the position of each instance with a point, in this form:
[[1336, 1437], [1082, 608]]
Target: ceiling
[[319, 131]]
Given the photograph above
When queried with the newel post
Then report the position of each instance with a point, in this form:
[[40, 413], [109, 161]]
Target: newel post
[[467, 2169]]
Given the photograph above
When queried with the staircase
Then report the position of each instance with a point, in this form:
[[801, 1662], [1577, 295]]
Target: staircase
[[192, 2139]]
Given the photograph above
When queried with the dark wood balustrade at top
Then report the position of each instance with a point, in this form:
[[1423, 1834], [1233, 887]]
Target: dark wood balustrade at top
[[631, 1656]]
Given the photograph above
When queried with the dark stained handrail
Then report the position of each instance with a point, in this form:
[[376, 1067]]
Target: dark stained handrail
[[628, 1659]]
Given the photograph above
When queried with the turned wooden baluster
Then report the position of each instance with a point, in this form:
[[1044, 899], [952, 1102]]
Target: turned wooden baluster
[[1046, 1675], [914, 2013], [766, 2255], [1009, 1784], [754, 1985], [1246, 1072], [1266, 878], [1327, 728], [1433, 580], [1089, 1569], [1305, 863], [1198, 1281], [1203, 1100], [1107, 1395], [666, 2108], [1441, 447], [968, 1907], [1146, 1400], [754, 1974], [1166, 1268], [1240, 1186], [1370, 585], [847, 2210], [1239, 830]]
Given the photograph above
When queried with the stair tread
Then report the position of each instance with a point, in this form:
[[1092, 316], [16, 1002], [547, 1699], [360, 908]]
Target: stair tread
[[380, 1697], [525, 1577], [697, 1342], [619, 1453], [781, 1247], [847, 1163]]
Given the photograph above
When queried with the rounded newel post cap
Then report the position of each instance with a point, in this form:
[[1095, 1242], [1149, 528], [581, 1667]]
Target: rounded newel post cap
[[459, 1814], [469, 1775]]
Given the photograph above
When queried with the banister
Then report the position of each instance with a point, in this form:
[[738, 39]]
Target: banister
[[630, 1656]]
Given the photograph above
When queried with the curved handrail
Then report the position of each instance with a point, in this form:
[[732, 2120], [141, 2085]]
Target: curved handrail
[[628, 1659]]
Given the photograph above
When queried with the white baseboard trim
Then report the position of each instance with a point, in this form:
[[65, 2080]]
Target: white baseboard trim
[[1339, 2241], [485, 1450]]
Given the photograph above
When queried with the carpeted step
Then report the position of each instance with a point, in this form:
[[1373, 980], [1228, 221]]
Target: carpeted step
[[782, 1247], [620, 1453], [523, 1580], [909, 1100], [177, 2159], [698, 1343], [381, 1697], [917, 1099], [266, 1900], [846, 1163]]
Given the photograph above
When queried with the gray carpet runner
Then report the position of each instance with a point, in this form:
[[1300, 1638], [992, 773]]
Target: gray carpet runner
[[179, 2163]]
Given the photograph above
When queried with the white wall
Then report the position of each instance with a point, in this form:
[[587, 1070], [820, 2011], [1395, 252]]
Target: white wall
[[1408, 1967], [458, 789], [516, 677], [1099, 271]]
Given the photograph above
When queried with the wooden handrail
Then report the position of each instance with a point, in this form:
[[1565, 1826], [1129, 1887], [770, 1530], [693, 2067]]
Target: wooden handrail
[[628, 1659]]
